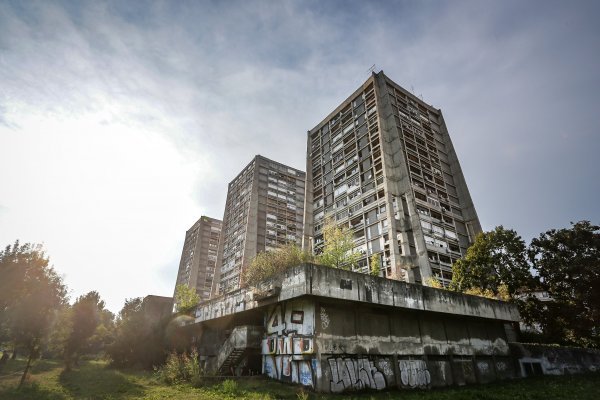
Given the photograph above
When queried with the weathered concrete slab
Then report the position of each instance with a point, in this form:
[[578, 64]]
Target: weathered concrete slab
[[315, 280]]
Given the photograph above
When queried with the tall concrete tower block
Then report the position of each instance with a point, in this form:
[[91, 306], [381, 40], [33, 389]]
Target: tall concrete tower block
[[383, 165], [264, 210], [199, 256]]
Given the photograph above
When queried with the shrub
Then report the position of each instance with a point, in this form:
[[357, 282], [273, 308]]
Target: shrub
[[229, 386], [374, 264], [502, 293], [434, 283], [270, 263], [180, 368], [302, 394]]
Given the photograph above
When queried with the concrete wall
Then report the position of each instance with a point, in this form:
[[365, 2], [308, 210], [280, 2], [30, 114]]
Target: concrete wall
[[334, 331], [288, 350], [316, 280], [337, 331], [333, 347], [534, 359]]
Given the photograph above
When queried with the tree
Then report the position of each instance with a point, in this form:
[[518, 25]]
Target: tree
[[338, 249], [85, 317], [496, 263], [567, 262], [186, 299], [139, 340], [103, 335], [374, 264], [130, 330], [30, 294]]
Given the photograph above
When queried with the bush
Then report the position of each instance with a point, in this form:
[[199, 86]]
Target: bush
[[302, 395], [433, 282], [180, 368], [270, 263], [229, 386]]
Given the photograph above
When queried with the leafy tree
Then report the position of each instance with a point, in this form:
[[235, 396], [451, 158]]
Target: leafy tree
[[58, 333], [338, 249], [496, 263], [374, 264], [138, 339], [104, 333], [126, 350], [270, 263], [30, 294], [85, 317], [567, 262], [186, 299]]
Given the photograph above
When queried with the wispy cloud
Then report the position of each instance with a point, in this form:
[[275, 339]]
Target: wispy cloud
[[122, 122]]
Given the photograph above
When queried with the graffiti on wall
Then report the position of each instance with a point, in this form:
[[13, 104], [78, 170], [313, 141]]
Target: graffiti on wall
[[288, 350], [501, 366], [230, 304], [354, 373], [324, 318], [414, 373]]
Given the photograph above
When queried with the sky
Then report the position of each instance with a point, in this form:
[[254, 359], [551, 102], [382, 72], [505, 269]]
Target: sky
[[121, 123]]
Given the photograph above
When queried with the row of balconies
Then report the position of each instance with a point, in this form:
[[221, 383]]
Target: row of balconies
[[347, 158]]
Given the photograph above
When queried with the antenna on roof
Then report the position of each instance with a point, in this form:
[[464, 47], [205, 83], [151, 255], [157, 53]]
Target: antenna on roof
[[372, 69]]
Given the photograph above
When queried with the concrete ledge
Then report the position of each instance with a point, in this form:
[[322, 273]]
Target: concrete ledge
[[317, 280]]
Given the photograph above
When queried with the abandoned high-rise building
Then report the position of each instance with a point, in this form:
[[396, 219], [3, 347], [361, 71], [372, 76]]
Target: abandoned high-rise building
[[264, 210], [199, 256], [383, 165]]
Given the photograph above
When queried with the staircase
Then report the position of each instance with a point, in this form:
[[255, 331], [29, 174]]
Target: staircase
[[243, 340]]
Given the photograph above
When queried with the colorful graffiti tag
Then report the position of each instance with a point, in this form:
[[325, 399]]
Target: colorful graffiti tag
[[288, 350]]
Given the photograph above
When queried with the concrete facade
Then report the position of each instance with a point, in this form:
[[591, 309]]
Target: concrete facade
[[264, 210], [382, 164], [334, 331], [538, 359], [199, 256]]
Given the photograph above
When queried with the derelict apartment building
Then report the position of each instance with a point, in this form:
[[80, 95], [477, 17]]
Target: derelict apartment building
[[383, 164], [199, 256], [264, 210]]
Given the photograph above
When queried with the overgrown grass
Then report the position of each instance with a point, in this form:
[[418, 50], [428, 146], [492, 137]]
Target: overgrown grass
[[94, 380]]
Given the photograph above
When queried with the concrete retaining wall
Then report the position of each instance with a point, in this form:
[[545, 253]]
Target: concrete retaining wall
[[333, 347], [536, 359]]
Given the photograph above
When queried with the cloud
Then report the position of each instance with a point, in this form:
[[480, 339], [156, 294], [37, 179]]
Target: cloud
[[122, 122]]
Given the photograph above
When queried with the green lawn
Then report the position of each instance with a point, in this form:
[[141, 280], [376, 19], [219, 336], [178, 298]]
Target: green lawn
[[94, 380]]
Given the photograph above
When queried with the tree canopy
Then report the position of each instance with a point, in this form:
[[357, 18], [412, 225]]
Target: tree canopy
[[85, 316], [139, 338], [564, 263], [495, 263], [567, 262], [186, 299], [338, 250], [31, 293]]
